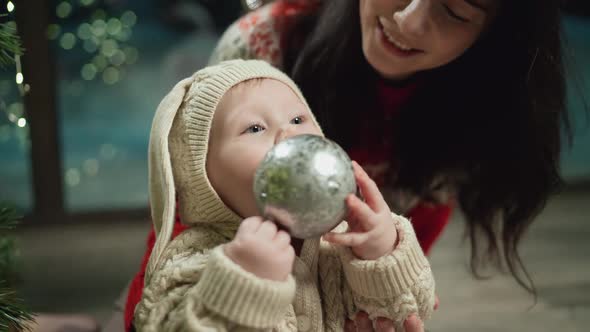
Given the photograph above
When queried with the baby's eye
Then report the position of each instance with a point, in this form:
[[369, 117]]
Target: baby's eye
[[297, 120], [253, 129]]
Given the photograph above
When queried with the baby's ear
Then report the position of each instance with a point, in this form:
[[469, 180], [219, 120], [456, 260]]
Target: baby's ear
[[161, 178]]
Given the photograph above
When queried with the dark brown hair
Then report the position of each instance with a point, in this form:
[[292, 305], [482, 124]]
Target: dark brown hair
[[493, 116]]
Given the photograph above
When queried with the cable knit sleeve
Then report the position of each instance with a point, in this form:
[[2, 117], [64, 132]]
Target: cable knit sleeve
[[207, 291], [393, 286]]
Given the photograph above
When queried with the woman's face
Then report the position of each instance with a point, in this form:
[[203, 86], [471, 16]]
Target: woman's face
[[403, 37]]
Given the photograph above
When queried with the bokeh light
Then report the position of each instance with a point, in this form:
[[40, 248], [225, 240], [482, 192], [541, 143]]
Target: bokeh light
[[103, 36], [72, 177], [15, 111], [88, 71], [114, 26], [68, 41], [91, 167], [129, 18], [118, 58], [84, 31], [108, 47], [63, 10], [91, 45], [99, 27], [124, 34], [110, 75], [100, 62]]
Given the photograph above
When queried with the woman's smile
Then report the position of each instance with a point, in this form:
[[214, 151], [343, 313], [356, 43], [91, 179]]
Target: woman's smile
[[392, 44]]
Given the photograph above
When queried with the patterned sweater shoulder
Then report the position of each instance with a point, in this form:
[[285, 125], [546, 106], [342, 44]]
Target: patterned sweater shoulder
[[260, 34]]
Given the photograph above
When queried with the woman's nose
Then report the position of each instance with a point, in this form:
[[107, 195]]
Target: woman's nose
[[414, 18]]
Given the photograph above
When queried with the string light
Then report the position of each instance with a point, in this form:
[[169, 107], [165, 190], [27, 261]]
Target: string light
[[10, 6], [23, 89], [21, 122]]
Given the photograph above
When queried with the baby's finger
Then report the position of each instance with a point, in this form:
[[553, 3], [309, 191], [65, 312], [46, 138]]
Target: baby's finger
[[363, 323], [349, 326], [384, 325], [267, 230], [282, 239], [413, 324], [361, 212], [249, 225], [369, 189], [351, 239]]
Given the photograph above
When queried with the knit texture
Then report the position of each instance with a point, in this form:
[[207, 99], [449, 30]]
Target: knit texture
[[191, 285], [196, 288], [178, 149]]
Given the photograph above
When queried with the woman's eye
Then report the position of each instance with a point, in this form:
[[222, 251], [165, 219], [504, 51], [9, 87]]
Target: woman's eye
[[297, 120], [454, 15], [253, 129]]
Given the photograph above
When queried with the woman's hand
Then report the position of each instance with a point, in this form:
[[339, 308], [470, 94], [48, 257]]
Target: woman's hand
[[371, 230], [362, 323]]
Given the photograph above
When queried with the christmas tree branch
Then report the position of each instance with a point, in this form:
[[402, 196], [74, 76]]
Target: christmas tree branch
[[14, 316], [10, 44]]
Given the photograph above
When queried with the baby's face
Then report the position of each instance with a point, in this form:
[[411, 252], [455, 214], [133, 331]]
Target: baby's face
[[250, 119]]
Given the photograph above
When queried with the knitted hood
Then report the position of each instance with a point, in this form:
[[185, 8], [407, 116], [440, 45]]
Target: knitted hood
[[178, 149]]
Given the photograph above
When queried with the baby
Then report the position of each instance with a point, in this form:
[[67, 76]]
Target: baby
[[231, 269]]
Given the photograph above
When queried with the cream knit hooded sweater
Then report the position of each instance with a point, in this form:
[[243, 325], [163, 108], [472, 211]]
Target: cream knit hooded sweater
[[191, 285]]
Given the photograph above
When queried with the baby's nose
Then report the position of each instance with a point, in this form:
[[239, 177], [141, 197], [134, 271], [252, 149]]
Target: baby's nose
[[285, 133]]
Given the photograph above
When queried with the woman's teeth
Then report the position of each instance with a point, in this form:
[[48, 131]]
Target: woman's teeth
[[389, 37]]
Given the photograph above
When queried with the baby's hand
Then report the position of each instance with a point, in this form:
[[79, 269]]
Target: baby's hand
[[260, 248], [371, 232]]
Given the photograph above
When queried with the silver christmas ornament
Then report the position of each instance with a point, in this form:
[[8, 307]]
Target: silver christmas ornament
[[302, 183]]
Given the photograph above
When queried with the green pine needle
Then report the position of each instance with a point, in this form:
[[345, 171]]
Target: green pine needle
[[8, 251], [13, 313], [10, 44], [8, 217], [14, 316]]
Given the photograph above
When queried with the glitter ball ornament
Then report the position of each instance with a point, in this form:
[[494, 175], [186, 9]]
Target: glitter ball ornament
[[302, 183]]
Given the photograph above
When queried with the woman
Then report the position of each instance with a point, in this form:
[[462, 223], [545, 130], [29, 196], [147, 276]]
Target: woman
[[450, 102]]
